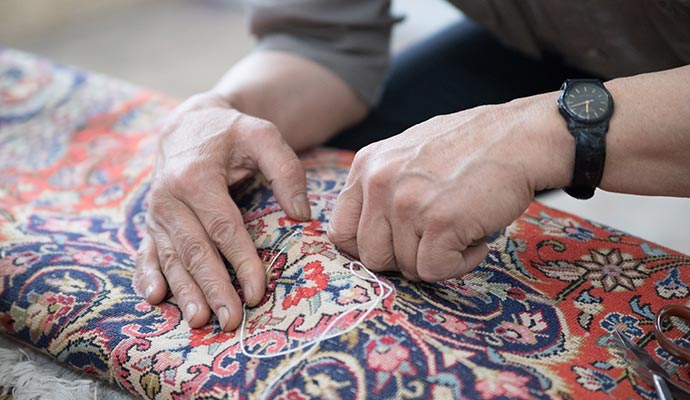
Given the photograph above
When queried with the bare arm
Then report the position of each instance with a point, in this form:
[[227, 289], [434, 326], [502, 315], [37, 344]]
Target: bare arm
[[306, 102], [648, 144], [422, 201]]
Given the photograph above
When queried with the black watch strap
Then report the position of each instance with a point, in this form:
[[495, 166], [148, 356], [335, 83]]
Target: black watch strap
[[587, 107], [590, 157]]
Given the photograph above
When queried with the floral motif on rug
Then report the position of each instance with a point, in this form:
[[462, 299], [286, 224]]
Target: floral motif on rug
[[533, 321]]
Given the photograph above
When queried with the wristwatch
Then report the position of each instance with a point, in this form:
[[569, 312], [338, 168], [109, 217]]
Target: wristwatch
[[586, 106]]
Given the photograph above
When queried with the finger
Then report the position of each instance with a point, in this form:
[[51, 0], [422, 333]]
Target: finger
[[374, 237], [344, 222], [203, 263], [404, 214], [475, 255], [406, 243], [223, 224], [150, 282], [375, 242], [439, 257], [283, 169], [187, 293]]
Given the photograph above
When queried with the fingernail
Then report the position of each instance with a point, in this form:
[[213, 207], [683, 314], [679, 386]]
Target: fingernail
[[223, 316], [249, 295], [190, 311], [149, 290], [301, 206]]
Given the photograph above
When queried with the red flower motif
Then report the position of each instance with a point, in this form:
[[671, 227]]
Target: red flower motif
[[503, 383], [167, 360], [388, 358], [449, 322], [311, 281], [208, 335], [387, 355], [92, 257], [516, 333]]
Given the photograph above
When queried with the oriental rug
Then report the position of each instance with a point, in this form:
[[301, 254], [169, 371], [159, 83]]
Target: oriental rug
[[533, 321]]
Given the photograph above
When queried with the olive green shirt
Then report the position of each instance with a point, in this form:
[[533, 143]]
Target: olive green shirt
[[609, 38]]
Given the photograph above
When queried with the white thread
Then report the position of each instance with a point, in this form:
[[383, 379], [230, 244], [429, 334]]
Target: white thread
[[385, 291], [270, 265]]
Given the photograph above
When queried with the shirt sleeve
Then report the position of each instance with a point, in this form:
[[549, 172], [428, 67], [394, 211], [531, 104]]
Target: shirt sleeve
[[349, 37]]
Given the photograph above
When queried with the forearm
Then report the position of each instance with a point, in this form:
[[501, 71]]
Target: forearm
[[307, 102], [647, 145]]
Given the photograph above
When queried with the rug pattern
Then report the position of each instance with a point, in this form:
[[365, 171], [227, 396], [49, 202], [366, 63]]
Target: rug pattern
[[533, 321]]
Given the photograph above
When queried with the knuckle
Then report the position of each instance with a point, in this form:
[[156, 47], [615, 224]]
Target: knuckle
[[292, 167], [197, 268], [182, 289], [405, 201], [212, 290], [185, 181], [159, 207], [262, 130], [168, 259], [378, 181], [223, 232], [195, 253], [361, 160]]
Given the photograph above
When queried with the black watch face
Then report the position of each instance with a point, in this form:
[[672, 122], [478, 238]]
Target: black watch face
[[587, 101]]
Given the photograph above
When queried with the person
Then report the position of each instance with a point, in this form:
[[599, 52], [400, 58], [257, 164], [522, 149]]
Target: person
[[474, 131]]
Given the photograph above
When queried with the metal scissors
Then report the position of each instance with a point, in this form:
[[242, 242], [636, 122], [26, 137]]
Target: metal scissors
[[672, 310], [646, 367]]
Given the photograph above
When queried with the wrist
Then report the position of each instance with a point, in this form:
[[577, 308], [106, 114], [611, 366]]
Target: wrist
[[550, 155], [203, 100]]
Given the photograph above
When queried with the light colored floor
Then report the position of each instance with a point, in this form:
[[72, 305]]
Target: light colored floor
[[180, 47]]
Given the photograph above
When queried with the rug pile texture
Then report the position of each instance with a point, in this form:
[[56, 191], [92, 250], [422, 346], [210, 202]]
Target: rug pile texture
[[533, 321]]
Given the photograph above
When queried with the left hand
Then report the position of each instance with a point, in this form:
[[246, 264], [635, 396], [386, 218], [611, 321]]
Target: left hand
[[424, 201]]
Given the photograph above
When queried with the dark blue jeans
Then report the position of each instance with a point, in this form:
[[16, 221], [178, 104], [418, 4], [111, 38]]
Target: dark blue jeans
[[461, 67]]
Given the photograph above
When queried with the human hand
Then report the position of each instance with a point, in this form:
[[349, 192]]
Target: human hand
[[204, 147], [424, 201]]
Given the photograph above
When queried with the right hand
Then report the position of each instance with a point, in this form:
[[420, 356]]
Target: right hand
[[204, 147]]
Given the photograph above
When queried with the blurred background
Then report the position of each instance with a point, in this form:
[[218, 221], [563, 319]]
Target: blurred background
[[181, 47]]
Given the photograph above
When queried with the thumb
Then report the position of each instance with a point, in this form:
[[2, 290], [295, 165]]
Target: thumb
[[284, 171]]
